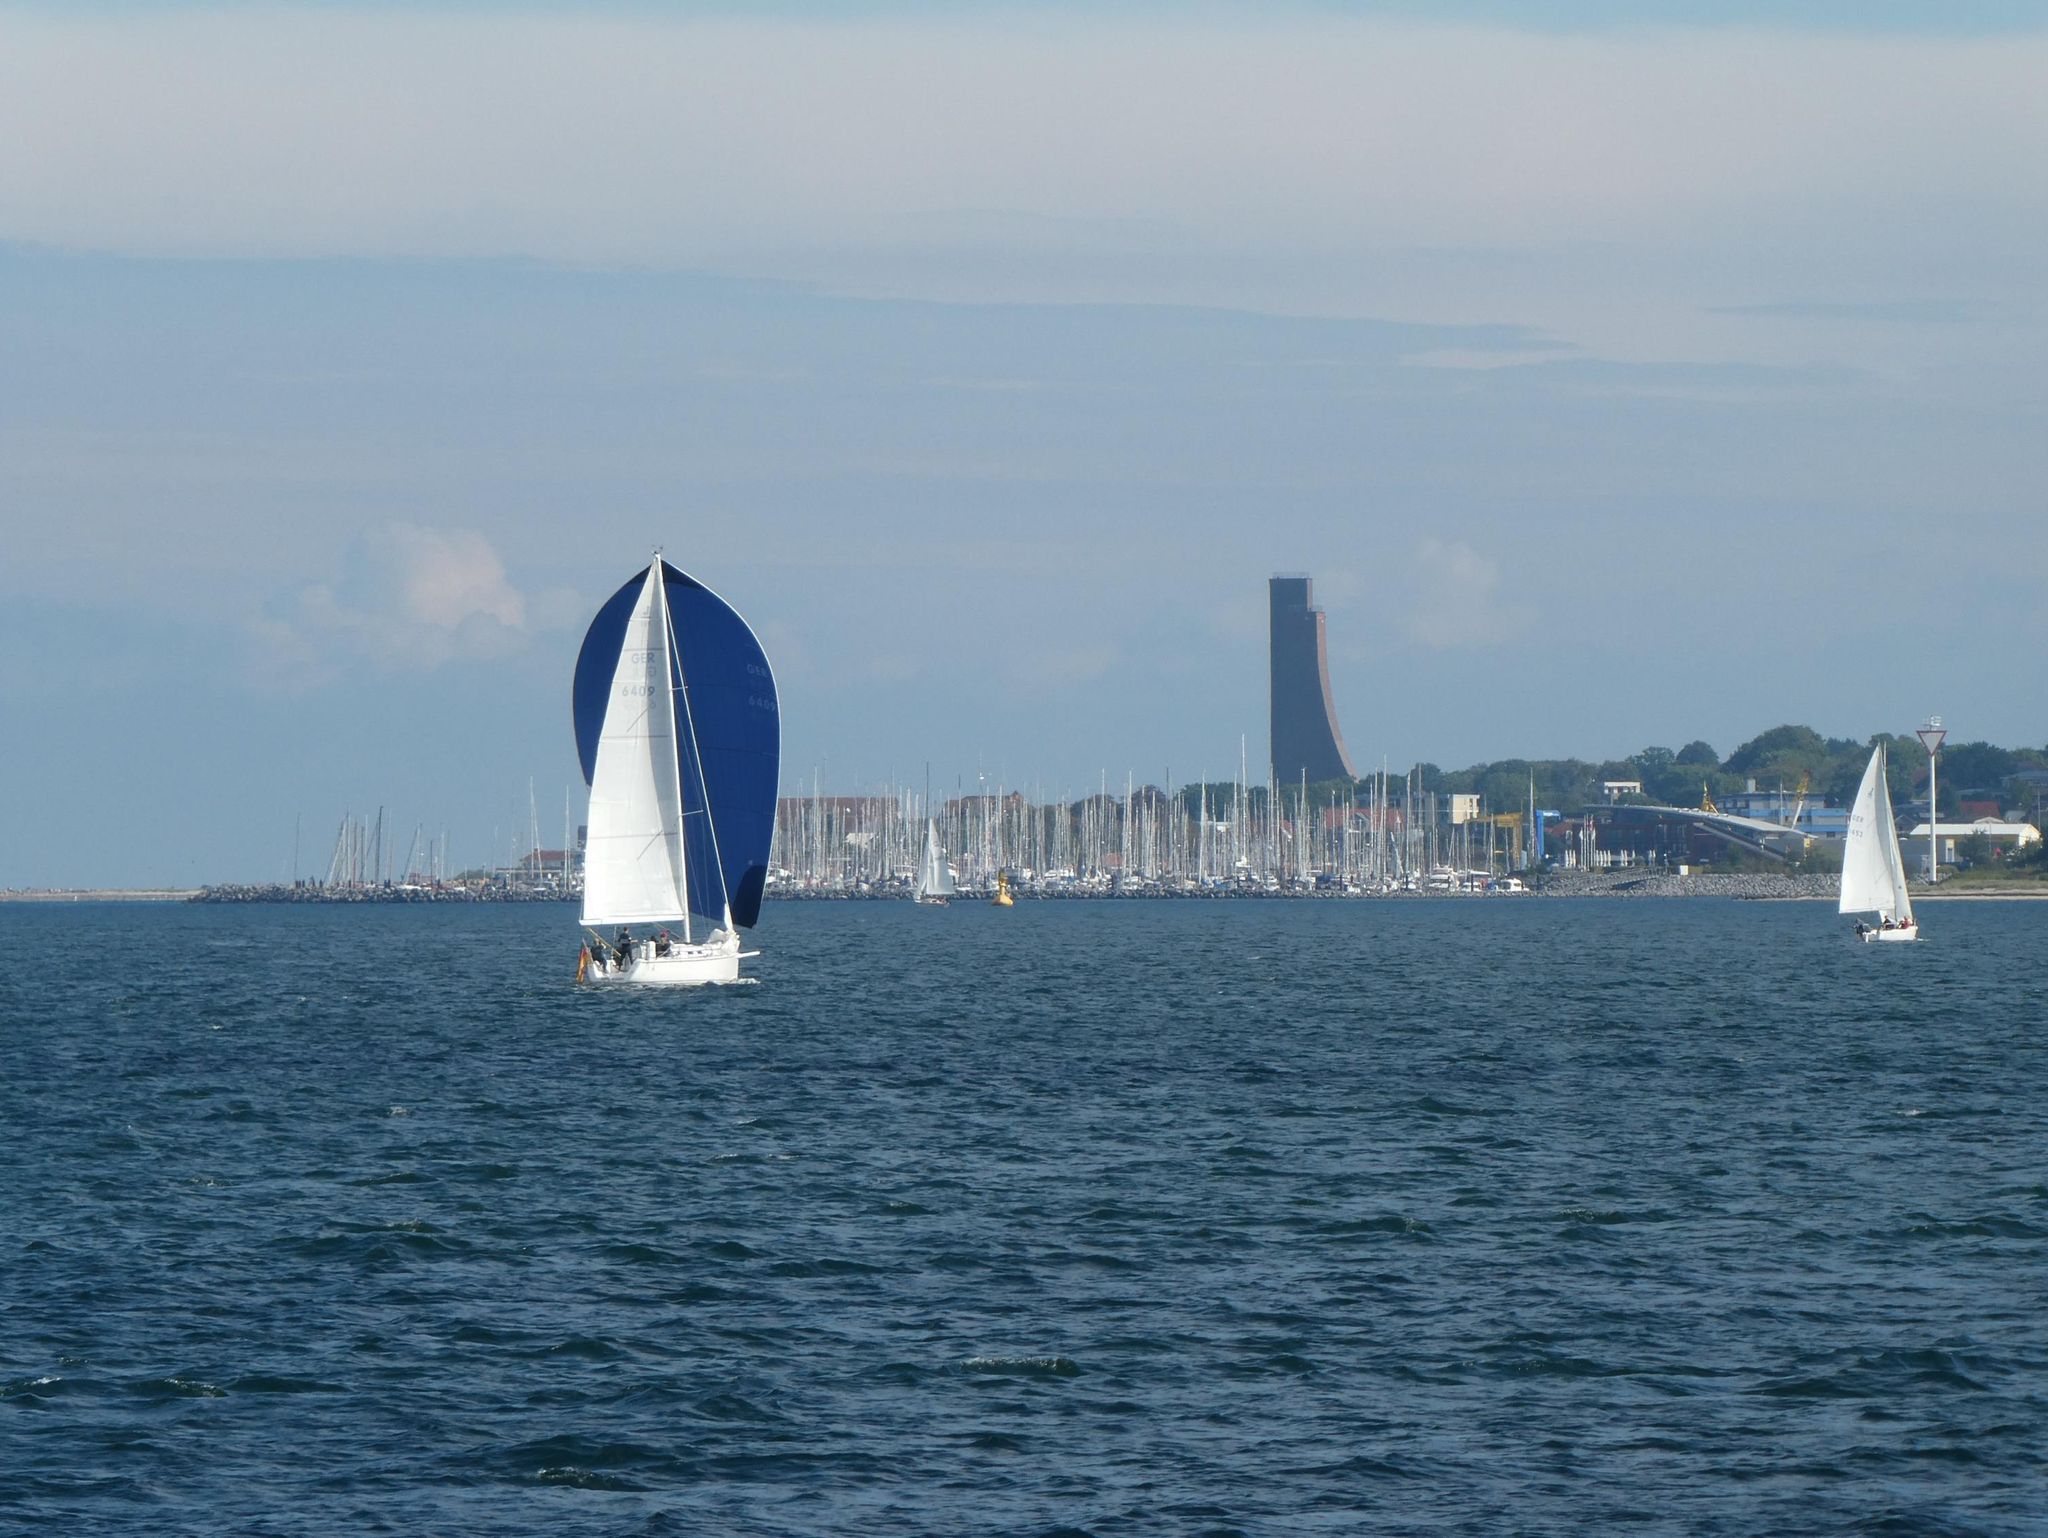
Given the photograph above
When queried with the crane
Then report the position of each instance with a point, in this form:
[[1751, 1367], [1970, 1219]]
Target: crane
[[1799, 805]]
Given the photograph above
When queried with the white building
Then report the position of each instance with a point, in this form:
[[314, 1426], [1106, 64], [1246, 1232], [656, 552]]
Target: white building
[[2013, 835]]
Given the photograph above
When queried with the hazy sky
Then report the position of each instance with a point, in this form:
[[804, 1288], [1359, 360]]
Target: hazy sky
[[1623, 373]]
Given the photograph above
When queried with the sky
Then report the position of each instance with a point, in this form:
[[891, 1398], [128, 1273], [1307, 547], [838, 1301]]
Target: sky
[[1622, 373]]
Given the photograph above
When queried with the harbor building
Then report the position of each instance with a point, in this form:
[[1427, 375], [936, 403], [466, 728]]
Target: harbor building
[[1810, 814], [1306, 743], [1626, 833], [2009, 836]]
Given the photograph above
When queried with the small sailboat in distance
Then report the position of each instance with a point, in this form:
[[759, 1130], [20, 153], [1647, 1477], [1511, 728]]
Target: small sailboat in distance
[[934, 876], [680, 740], [1873, 874]]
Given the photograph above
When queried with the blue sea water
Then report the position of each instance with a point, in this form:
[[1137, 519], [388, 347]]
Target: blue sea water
[[1270, 1218]]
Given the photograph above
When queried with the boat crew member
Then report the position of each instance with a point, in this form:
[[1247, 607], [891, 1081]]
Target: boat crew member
[[624, 946], [661, 943]]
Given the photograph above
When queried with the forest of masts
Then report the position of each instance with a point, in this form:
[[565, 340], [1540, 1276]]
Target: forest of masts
[[367, 853], [363, 857], [1382, 834]]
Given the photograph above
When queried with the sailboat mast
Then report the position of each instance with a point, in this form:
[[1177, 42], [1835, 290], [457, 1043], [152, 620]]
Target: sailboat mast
[[668, 671]]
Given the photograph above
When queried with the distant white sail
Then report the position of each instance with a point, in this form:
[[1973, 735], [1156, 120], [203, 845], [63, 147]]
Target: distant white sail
[[935, 876], [1873, 874], [634, 870]]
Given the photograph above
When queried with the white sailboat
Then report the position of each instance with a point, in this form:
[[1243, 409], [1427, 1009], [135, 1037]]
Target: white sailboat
[[680, 744], [1873, 874], [934, 875]]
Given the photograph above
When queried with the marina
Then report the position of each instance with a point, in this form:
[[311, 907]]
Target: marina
[[1207, 839]]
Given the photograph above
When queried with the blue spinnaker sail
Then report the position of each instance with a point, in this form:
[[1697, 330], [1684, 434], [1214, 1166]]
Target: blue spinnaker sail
[[733, 721]]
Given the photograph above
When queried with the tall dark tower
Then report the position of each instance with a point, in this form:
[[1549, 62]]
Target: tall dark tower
[[1305, 735]]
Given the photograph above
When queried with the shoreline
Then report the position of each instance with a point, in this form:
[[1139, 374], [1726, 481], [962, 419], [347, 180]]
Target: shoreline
[[1743, 888], [101, 895]]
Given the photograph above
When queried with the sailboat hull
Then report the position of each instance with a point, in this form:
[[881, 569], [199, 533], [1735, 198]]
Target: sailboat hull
[[685, 966], [1892, 936]]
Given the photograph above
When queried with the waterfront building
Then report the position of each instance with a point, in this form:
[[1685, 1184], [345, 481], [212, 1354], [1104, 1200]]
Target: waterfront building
[[1626, 833], [2009, 836], [1306, 743], [1810, 814]]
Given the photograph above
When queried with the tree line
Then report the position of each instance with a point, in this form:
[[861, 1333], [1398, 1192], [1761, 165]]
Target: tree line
[[1782, 756]]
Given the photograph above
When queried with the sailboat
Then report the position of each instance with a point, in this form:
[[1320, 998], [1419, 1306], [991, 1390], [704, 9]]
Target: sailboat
[[1873, 874], [680, 739], [934, 875]]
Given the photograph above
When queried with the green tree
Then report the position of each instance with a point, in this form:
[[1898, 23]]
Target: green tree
[[1781, 745], [1977, 766], [1666, 779]]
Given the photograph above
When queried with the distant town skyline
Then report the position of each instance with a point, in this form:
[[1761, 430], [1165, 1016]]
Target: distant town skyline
[[1622, 375]]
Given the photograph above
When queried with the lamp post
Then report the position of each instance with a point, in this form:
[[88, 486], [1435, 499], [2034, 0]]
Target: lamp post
[[1931, 736]]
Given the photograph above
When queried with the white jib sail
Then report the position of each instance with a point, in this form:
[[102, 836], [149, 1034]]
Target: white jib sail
[[1873, 875], [633, 868], [935, 878]]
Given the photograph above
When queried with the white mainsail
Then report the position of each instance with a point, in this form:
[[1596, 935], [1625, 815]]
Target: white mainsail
[[633, 866], [1873, 874], [935, 876]]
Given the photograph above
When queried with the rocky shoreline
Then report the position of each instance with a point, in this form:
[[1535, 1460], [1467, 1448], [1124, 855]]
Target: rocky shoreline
[[1758, 885]]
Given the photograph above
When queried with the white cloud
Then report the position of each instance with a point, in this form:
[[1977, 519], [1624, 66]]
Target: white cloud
[[412, 598], [1455, 598], [447, 577]]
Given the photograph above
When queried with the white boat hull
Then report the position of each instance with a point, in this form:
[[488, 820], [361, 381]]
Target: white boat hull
[[685, 966], [1892, 936]]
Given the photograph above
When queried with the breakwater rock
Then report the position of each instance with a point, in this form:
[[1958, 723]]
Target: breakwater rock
[[447, 892], [1647, 883]]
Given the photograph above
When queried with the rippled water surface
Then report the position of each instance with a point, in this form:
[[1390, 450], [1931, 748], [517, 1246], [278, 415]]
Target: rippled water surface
[[1270, 1218]]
